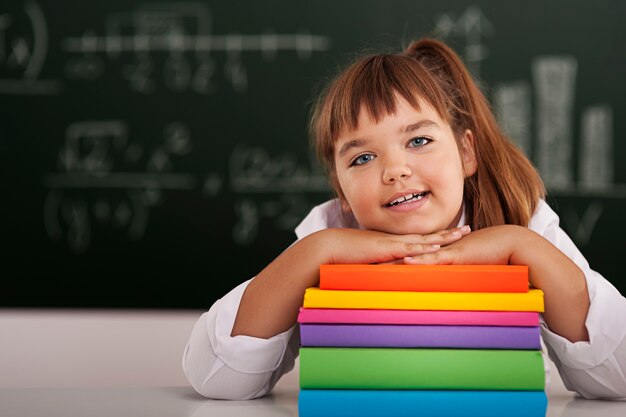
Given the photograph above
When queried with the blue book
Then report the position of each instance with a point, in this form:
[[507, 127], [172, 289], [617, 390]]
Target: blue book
[[426, 403]]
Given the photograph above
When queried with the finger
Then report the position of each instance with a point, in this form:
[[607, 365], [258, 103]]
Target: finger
[[394, 262], [464, 230], [432, 258], [439, 238], [413, 249], [445, 237]]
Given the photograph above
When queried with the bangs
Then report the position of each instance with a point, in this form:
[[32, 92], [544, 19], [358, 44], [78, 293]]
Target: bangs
[[373, 83]]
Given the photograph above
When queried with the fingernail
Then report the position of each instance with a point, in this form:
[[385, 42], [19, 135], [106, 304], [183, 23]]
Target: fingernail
[[466, 228], [456, 233]]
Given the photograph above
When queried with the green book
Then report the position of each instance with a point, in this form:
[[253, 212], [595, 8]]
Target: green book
[[442, 369]]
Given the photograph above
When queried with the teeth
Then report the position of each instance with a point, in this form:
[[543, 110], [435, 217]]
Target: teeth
[[407, 197]]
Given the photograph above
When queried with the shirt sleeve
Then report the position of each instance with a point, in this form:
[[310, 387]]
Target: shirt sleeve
[[221, 366], [597, 368], [242, 367]]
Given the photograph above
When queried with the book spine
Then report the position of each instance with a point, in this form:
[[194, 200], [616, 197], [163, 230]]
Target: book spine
[[427, 278], [409, 403], [397, 368], [428, 317], [404, 300], [471, 337]]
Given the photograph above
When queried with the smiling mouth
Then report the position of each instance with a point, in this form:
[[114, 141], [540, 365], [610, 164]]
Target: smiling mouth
[[407, 199]]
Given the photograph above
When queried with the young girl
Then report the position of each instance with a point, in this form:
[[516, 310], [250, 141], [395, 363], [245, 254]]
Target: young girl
[[423, 175]]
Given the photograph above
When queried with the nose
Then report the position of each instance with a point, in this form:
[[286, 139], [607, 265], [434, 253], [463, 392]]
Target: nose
[[396, 169]]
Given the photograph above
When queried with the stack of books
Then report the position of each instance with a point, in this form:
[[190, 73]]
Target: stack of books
[[421, 340]]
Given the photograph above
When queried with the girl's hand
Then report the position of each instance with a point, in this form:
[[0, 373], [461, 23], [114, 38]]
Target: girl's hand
[[489, 246], [566, 298], [366, 246]]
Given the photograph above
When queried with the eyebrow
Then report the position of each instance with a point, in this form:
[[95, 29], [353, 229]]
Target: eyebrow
[[355, 143], [419, 125]]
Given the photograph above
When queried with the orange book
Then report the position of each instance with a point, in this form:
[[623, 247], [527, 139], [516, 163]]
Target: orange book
[[425, 278]]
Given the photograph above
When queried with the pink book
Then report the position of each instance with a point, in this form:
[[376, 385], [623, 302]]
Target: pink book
[[458, 318]]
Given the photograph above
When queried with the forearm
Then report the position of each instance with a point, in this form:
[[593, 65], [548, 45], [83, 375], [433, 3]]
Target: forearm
[[562, 282], [271, 301], [270, 304]]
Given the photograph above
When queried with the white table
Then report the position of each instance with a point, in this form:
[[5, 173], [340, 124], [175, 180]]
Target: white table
[[185, 402]]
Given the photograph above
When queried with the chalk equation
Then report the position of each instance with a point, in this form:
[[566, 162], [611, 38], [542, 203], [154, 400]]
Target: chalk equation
[[107, 181], [174, 42], [156, 46], [254, 172], [94, 183]]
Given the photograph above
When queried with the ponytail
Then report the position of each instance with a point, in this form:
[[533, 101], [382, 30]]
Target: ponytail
[[505, 188]]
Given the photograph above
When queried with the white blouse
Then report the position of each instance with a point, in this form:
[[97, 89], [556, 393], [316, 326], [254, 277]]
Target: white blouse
[[243, 367]]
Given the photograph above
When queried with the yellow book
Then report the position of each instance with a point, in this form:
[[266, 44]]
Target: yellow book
[[408, 300]]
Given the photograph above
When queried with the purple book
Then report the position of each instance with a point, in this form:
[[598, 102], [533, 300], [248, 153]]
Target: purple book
[[418, 336]]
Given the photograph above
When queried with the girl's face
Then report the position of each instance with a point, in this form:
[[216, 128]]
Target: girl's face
[[404, 174]]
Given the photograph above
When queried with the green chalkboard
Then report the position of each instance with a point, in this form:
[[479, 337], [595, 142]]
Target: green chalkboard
[[154, 154]]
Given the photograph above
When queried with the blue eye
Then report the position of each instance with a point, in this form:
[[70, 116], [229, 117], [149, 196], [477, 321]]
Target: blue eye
[[363, 159], [418, 142]]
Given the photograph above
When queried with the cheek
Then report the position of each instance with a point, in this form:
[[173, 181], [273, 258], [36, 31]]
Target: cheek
[[451, 163], [358, 192], [448, 175], [353, 190], [455, 181]]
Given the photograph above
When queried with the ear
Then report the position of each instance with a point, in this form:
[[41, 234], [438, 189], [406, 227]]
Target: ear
[[468, 153]]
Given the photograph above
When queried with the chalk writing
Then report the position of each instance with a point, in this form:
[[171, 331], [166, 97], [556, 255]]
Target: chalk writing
[[177, 29], [23, 53], [581, 227], [254, 171], [512, 103], [89, 159], [473, 26], [94, 185], [596, 156], [554, 86], [554, 80]]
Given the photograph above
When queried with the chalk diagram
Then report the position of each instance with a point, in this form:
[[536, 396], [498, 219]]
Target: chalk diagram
[[554, 88], [552, 94]]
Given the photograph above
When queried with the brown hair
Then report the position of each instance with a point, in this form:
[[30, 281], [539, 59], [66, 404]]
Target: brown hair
[[505, 188]]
